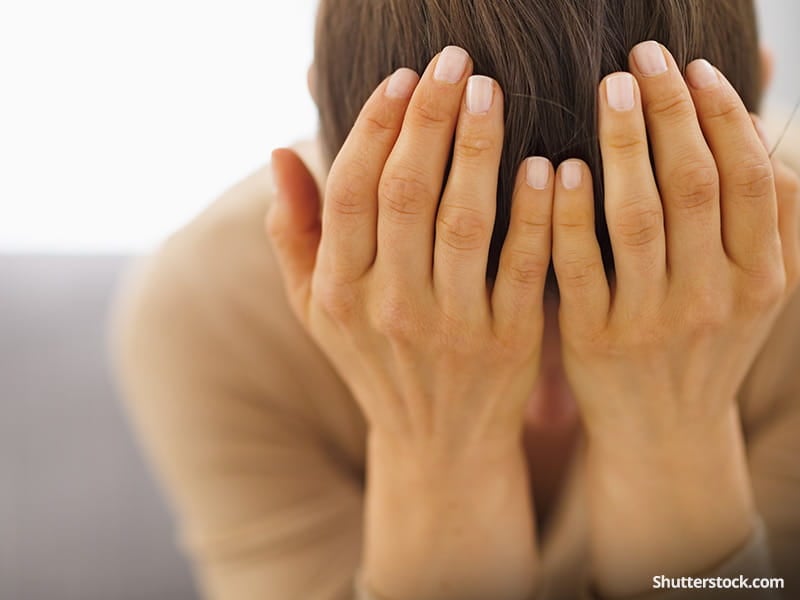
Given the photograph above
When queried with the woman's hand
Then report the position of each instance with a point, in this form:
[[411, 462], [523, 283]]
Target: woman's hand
[[392, 286], [395, 290], [706, 253]]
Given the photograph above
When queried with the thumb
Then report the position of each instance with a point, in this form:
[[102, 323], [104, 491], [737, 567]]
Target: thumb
[[293, 225]]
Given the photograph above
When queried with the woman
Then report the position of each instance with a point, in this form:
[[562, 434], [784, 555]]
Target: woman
[[388, 397]]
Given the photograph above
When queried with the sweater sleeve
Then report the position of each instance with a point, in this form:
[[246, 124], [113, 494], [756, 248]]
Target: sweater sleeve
[[216, 377], [772, 430], [361, 589], [770, 405], [748, 570]]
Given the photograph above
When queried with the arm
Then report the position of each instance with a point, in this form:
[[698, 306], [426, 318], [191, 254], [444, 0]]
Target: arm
[[772, 405], [212, 362], [706, 254], [391, 284], [209, 358]]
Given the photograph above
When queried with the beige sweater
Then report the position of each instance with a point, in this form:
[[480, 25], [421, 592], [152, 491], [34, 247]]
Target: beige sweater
[[261, 446]]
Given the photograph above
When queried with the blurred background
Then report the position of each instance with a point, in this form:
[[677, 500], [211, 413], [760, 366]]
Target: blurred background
[[118, 123]]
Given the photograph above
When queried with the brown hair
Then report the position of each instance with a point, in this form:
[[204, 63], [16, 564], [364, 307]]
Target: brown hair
[[548, 57]]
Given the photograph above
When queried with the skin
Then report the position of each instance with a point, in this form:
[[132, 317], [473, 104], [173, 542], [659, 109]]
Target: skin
[[392, 290], [551, 409]]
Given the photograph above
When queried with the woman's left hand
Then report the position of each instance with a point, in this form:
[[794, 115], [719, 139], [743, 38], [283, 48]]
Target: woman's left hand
[[706, 252]]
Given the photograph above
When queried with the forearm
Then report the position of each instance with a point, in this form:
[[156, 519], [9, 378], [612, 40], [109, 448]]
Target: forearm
[[445, 525], [674, 507]]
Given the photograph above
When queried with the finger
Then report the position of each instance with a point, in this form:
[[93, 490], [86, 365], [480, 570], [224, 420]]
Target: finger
[[788, 189], [350, 210], [582, 283], [685, 168], [466, 214], [761, 131], [517, 296], [293, 226], [412, 181], [747, 185], [632, 203]]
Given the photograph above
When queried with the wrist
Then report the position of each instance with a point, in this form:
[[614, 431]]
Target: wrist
[[462, 522], [674, 505]]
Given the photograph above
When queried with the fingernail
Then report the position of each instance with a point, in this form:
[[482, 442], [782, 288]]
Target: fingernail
[[619, 91], [701, 74], [480, 92], [571, 174], [402, 83], [538, 172], [451, 65], [649, 58]]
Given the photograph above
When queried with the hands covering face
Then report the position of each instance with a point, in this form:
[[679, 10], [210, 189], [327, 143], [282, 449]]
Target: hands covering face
[[706, 248], [391, 284]]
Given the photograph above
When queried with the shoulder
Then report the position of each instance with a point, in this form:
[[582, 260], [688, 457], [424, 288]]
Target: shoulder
[[207, 311], [202, 276], [217, 268]]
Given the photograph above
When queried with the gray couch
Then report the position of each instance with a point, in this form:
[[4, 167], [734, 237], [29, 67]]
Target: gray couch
[[80, 516]]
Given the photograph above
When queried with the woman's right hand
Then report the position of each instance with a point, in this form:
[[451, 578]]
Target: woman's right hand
[[391, 284]]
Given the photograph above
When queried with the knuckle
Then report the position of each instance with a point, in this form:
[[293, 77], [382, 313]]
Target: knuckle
[[430, 112], [512, 344], [708, 311], [574, 219], [725, 110], [575, 271], [394, 316], [753, 179], [525, 268], [532, 226], [462, 228], [765, 288], [672, 106], [473, 146], [344, 191], [404, 194], [457, 335], [595, 339], [379, 120], [627, 143], [574, 225], [643, 341], [695, 185], [338, 300], [638, 225], [600, 341]]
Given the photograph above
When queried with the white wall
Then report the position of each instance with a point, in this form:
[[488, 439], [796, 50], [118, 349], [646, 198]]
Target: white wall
[[780, 23], [121, 120]]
